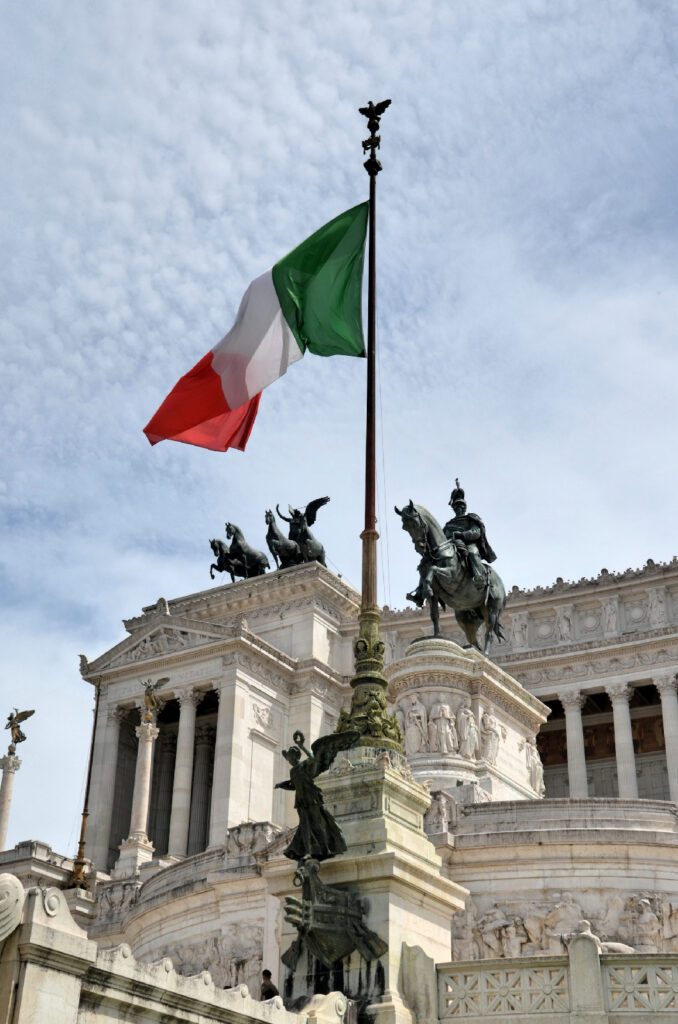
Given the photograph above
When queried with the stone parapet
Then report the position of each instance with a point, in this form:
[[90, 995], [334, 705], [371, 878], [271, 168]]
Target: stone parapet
[[50, 971], [583, 986]]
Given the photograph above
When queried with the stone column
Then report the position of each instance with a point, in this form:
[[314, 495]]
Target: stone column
[[101, 824], [167, 751], [137, 848], [200, 797], [667, 685], [231, 761], [619, 694], [10, 764], [183, 775], [573, 701], [147, 733]]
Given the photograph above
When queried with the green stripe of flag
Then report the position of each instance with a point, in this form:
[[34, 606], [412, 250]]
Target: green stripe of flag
[[319, 286]]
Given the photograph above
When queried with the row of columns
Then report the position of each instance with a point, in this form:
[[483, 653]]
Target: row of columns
[[620, 695], [193, 757]]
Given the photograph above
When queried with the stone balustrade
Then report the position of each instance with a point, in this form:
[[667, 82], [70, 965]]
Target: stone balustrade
[[585, 986]]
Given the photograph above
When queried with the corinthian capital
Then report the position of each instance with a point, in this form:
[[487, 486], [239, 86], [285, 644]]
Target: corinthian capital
[[190, 697], [666, 683], [572, 699], [147, 731], [619, 692]]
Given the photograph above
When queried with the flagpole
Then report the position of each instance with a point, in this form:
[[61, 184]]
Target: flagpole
[[77, 878], [368, 713]]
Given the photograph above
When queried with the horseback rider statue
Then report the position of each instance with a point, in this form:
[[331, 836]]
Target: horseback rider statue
[[467, 533], [452, 572]]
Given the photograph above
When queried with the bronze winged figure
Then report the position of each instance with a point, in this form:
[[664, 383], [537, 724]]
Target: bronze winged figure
[[318, 834], [13, 723], [300, 521]]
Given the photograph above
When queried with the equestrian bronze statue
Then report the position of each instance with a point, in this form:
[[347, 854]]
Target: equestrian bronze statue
[[311, 549], [452, 571]]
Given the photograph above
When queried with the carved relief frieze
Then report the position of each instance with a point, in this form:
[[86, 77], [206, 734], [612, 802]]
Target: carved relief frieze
[[622, 922], [262, 715], [114, 899], [232, 957], [162, 641]]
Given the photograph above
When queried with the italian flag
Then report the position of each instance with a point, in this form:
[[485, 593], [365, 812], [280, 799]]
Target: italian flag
[[310, 301]]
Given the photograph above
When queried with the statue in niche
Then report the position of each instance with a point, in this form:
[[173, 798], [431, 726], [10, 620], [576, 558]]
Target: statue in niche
[[441, 814], [516, 637], [609, 617], [318, 835], [657, 608], [444, 728], [416, 729], [490, 735], [534, 767], [17, 735], [467, 730], [563, 624]]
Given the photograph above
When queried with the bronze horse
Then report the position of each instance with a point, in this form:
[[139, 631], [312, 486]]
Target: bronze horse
[[443, 580]]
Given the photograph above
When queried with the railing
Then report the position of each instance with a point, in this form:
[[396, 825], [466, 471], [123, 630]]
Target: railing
[[584, 985]]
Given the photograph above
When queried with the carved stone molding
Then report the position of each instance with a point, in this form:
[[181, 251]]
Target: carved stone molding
[[666, 683], [572, 699], [262, 715], [10, 763], [621, 692], [191, 696], [12, 898], [147, 732]]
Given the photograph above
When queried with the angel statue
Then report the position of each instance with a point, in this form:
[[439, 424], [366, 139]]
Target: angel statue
[[13, 723], [318, 834], [152, 702], [311, 549]]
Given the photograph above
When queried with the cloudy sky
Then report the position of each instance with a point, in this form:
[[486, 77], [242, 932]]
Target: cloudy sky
[[158, 156]]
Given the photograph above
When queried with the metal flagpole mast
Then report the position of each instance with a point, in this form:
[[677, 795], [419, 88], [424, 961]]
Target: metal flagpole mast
[[77, 879], [368, 705]]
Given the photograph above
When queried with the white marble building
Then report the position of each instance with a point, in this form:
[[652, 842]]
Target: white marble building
[[186, 829], [251, 662]]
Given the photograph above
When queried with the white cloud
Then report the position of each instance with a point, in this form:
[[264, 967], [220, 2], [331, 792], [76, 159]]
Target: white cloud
[[159, 156]]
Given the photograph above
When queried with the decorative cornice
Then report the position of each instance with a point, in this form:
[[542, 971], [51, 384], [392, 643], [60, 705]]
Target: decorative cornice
[[270, 590]]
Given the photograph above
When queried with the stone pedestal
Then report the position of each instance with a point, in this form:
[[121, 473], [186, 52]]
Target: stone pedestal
[[393, 866], [466, 722]]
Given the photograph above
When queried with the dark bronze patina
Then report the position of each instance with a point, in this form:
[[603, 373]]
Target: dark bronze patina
[[451, 570], [311, 549]]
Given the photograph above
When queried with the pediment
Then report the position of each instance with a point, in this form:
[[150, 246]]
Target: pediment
[[159, 639]]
